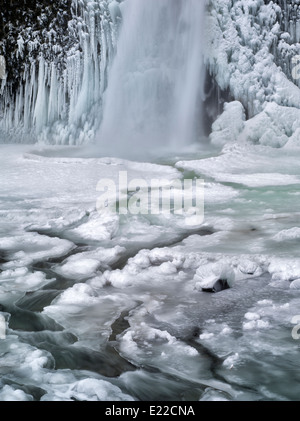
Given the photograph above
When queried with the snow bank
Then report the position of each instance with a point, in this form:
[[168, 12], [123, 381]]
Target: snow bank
[[248, 164], [288, 234]]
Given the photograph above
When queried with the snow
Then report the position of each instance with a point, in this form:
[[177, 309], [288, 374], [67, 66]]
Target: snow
[[295, 284], [160, 72], [247, 58], [86, 264], [79, 268], [229, 124], [275, 126], [79, 295], [246, 49], [96, 390], [255, 324], [206, 336], [242, 163]]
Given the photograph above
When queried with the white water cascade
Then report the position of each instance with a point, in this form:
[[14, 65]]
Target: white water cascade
[[154, 92]]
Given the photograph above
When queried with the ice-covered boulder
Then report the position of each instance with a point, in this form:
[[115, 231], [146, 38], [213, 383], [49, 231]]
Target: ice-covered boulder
[[214, 277]]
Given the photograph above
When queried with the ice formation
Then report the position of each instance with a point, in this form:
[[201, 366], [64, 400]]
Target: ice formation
[[63, 80], [250, 49], [154, 91]]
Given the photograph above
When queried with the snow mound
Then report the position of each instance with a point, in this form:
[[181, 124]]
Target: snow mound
[[206, 276]]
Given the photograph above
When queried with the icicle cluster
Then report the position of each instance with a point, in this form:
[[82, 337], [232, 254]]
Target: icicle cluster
[[250, 53], [288, 46], [58, 99]]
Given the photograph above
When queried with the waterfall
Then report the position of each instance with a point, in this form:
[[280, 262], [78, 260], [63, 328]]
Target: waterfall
[[154, 92]]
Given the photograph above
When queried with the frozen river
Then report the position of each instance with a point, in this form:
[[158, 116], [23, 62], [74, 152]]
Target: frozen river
[[102, 306]]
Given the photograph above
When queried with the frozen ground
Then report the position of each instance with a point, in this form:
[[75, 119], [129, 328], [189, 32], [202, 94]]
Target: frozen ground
[[111, 307]]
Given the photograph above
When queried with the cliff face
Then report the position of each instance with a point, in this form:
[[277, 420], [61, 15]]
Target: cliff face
[[58, 55]]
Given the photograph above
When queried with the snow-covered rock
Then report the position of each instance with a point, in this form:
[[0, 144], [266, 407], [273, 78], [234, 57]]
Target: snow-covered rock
[[214, 277]]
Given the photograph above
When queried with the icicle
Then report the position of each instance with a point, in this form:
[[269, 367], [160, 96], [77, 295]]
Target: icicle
[[54, 97]]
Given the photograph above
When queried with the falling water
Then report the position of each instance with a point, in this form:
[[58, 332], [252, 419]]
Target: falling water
[[154, 92]]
